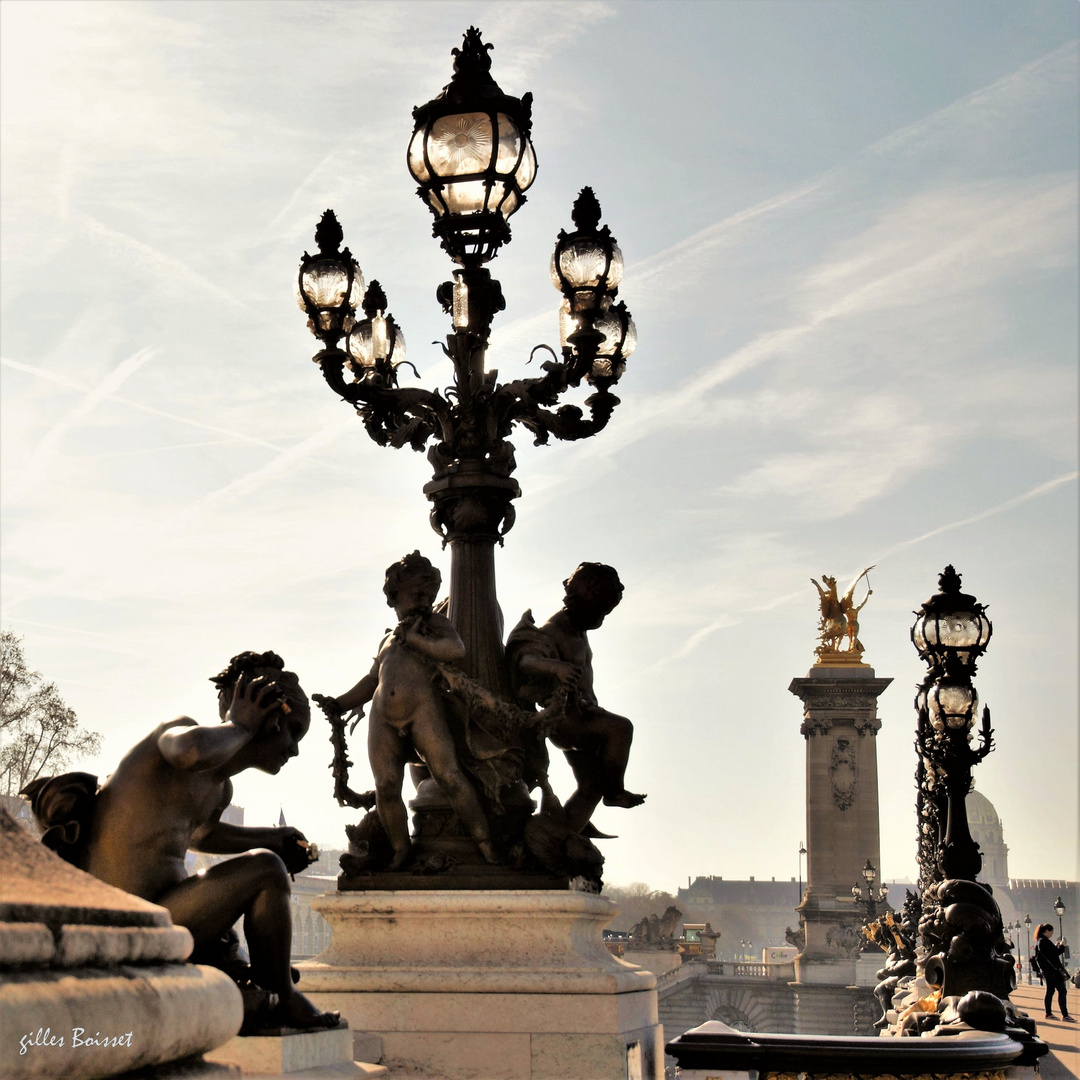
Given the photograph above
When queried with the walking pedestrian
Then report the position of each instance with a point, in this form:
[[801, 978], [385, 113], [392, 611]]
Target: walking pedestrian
[[1053, 969]]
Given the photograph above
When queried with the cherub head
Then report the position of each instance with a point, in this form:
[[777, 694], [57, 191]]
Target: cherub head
[[593, 591], [411, 585], [286, 724]]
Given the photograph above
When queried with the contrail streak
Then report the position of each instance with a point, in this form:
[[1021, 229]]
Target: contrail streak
[[1040, 489], [61, 380], [725, 621]]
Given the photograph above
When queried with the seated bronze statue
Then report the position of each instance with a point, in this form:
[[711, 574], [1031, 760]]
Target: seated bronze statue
[[556, 658], [166, 796]]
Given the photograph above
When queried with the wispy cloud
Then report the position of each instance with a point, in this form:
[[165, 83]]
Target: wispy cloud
[[283, 462], [33, 471], [168, 268]]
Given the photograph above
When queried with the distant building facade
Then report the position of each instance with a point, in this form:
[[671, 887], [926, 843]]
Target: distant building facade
[[756, 910]]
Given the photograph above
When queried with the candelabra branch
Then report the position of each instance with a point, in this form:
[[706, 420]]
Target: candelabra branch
[[393, 415], [530, 402]]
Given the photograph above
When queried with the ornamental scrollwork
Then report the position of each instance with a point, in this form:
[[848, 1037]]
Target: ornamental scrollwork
[[843, 773]]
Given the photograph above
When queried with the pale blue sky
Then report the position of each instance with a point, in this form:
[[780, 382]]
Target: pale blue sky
[[850, 234]]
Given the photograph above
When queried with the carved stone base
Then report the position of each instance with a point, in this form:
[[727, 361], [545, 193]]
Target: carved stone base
[[510, 984], [444, 857]]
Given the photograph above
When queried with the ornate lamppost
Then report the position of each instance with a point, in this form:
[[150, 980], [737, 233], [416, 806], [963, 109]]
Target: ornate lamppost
[[867, 894], [951, 632], [473, 160], [1059, 911], [966, 952], [1027, 938], [802, 852]]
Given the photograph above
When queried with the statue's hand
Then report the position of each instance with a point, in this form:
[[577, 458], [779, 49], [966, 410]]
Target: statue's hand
[[252, 701], [566, 672], [293, 847]]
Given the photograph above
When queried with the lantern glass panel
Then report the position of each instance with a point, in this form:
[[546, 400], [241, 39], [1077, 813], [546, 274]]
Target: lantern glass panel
[[953, 704], [582, 262], [630, 338], [465, 197], [359, 344], [611, 326], [460, 145], [526, 170], [417, 165], [509, 150], [615, 270], [324, 283], [955, 630], [509, 204], [918, 636], [380, 341], [602, 369]]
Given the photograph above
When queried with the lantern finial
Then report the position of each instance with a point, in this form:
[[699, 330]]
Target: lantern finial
[[328, 233], [949, 580], [374, 299], [472, 60], [586, 211]]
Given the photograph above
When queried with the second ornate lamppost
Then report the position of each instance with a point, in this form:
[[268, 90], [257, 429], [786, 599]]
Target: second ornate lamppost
[[961, 926], [472, 158], [951, 632], [867, 894]]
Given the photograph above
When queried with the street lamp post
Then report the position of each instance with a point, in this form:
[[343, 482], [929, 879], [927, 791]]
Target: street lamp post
[[1027, 938], [802, 852], [868, 896], [473, 160], [1059, 911], [1017, 928], [951, 632]]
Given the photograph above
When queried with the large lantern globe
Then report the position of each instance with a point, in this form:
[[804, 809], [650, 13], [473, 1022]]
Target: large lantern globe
[[329, 285], [471, 156], [951, 628], [587, 265], [376, 345]]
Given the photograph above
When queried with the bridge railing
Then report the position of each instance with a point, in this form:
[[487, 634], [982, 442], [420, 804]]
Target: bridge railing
[[750, 969]]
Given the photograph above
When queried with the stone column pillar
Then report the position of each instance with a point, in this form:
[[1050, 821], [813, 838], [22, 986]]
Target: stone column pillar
[[840, 722]]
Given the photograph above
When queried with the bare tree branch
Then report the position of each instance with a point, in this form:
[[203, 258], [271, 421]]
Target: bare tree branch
[[38, 732]]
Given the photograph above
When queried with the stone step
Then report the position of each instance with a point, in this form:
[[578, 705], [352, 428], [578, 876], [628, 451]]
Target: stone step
[[303, 1055]]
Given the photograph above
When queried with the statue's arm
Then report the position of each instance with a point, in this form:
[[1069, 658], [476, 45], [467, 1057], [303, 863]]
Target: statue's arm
[[220, 838], [289, 844], [362, 692], [197, 748], [534, 662]]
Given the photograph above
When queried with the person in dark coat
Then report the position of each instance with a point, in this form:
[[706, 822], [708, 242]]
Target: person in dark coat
[[1053, 969]]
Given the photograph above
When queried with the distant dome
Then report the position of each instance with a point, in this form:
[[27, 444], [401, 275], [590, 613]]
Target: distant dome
[[980, 810]]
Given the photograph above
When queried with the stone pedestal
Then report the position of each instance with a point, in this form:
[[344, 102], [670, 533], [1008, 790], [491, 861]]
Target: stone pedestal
[[464, 984], [867, 967], [840, 725], [92, 979], [658, 961]]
